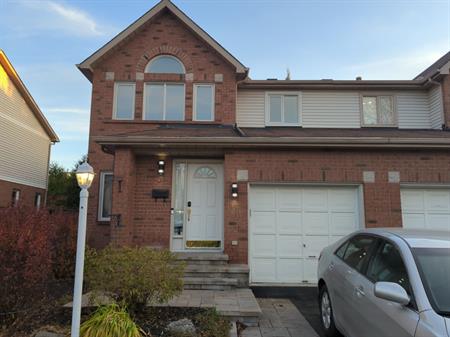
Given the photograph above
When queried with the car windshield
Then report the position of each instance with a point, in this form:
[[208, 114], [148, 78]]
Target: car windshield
[[434, 267]]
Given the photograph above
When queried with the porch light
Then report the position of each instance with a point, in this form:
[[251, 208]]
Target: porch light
[[85, 175], [234, 190], [161, 165]]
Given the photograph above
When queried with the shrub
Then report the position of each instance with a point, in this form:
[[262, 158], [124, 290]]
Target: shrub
[[28, 249], [134, 275], [211, 324], [110, 321], [64, 244]]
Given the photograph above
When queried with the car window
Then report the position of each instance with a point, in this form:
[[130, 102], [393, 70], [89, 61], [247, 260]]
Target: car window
[[357, 251], [387, 266], [341, 250]]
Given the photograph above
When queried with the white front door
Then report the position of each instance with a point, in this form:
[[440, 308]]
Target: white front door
[[204, 206], [290, 225], [426, 208]]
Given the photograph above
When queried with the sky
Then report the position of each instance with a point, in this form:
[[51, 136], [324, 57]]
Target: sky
[[314, 39]]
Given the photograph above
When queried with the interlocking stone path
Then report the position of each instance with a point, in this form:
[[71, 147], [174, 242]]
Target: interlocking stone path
[[280, 318]]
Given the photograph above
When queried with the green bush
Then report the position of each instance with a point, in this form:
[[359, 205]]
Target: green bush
[[211, 324], [110, 321], [135, 276]]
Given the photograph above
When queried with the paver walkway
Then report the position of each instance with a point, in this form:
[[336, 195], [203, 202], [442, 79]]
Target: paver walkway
[[280, 318]]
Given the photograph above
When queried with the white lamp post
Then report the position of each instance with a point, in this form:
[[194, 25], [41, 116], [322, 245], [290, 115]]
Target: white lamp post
[[85, 175]]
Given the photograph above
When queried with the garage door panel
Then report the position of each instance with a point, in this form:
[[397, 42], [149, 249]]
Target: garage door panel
[[264, 222], [342, 200], [264, 245], [313, 245], [438, 221], [289, 246], [342, 223], [437, 200], [426, 208], [290, 270], [289, 198], [289, 222], [310, 270], [264, 270], [412, 200], [315, 199], [315, 223], [263, 199]]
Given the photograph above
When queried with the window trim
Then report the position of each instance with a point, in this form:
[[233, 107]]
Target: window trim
[[282, 93], [194, 102], [377, 95], [100, 216], [147, 70], [37, 200], [144, 109], [15, 197], [116, 85]]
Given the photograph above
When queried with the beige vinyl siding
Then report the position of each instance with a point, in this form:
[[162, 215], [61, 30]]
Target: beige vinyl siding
[[342, 109], [436, 107], [331, 109], [413, 110], [24, 144], [250, 108]]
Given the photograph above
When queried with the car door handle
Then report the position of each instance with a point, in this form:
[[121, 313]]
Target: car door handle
[[360, 291]]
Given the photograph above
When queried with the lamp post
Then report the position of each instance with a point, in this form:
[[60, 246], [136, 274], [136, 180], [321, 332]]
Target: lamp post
[[85, 175]]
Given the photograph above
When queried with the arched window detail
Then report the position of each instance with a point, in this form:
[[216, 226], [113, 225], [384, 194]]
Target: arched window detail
[[165, 64], [205, 172]]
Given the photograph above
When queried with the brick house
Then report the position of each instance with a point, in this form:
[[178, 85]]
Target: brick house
[[193, 155], [25, 141]]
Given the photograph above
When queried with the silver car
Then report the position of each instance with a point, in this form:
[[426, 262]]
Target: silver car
[[386, 282]]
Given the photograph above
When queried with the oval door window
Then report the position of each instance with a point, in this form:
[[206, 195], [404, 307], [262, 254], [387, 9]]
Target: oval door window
[[205, 172]]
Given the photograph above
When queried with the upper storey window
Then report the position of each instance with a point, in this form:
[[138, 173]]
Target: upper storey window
[[165, 64], [283, 109], [124, 100], [164, 101], [378, 111]]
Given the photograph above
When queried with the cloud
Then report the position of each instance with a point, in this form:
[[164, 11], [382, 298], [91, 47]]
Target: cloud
[[57, 17], [404, 66], [69, 110]]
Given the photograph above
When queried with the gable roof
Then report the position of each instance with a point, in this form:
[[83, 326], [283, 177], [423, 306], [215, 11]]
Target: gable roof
[[86, 65], [14, 76], [440, 66]]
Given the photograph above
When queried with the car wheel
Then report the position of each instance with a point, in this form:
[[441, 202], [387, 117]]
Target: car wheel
[[326, 313]]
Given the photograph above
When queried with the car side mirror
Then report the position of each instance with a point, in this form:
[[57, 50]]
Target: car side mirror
[[391, 291]]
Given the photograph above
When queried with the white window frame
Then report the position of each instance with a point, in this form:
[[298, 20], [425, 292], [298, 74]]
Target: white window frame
[[147, 67], [37, 200], [16, 197], [377, 95], [283, 93], [116, 84], [101, 196], [194, 102], [144, 109]]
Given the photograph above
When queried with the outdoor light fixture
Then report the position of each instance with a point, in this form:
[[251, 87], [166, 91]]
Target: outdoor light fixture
[[161, 165], [234, 190], [85, 176]]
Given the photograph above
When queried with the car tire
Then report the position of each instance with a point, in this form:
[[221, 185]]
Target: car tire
[[326, 313]]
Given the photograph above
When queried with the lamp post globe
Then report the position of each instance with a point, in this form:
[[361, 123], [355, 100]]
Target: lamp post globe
[[85, 175]]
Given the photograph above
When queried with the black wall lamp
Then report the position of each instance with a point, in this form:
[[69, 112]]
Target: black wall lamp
[[234, 190], [161, 166]]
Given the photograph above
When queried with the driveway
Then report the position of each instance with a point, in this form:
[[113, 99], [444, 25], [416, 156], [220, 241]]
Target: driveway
[[304, 298]]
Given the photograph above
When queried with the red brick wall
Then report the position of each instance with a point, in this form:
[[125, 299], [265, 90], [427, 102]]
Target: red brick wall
[[382, 206], [446, 99], [163, 35], [27, 194]]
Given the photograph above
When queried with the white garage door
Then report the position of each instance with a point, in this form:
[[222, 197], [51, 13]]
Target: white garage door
[[426, 208], [289, 226]]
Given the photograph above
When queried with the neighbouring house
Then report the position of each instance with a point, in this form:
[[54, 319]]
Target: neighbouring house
[[193, 155], [25, 141]]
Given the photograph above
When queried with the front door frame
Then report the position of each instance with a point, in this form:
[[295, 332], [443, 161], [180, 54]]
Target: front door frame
[[172, 237]]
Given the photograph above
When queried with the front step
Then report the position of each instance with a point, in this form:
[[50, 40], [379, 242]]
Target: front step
[[211, 271]]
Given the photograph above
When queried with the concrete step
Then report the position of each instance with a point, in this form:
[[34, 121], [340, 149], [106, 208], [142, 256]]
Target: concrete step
[[203, 258], [231, 271], [210, 283]]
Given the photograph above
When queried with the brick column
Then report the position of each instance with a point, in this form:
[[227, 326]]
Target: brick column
[[446, 99], [123, 196]]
